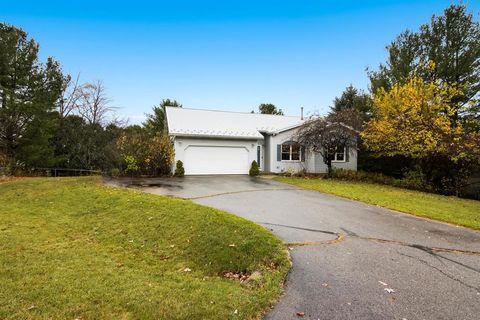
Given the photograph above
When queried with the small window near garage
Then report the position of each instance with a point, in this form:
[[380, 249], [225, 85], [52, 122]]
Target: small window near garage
[[340, 156], [291, 151]]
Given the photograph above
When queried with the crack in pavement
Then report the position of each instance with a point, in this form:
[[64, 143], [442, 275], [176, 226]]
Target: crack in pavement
[[352, 235], [477, 289], [432, 251], [338, 239], [300, 228], [240, 191]]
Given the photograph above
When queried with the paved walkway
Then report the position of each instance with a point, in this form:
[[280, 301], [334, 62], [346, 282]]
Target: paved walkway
[[350, 260]]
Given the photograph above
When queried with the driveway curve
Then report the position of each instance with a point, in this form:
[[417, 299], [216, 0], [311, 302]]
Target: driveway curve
[[350, 260]]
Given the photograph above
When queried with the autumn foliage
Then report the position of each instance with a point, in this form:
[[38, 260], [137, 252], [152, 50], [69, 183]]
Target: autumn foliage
[[145, 154], [418, 120]]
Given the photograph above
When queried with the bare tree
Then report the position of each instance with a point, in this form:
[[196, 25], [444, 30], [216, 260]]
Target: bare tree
[[330, 135], [71, 92], [93, 103]]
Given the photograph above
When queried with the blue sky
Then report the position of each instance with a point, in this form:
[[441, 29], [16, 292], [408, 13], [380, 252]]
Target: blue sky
[[228, 55]]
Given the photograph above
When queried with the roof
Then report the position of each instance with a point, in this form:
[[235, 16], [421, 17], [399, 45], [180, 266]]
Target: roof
[[212, 123]]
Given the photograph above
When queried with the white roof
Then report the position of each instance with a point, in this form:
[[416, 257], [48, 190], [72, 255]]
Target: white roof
[[211, 123]]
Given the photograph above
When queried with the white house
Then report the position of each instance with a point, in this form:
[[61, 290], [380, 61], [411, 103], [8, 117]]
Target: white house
[[223, 142]]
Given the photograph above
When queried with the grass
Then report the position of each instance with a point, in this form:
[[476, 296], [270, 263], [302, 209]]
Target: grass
[[74, 248], [454, 210]]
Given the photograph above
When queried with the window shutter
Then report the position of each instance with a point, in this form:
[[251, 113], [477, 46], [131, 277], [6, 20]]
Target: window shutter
[[347, 154], [302, 151], [279, 152]]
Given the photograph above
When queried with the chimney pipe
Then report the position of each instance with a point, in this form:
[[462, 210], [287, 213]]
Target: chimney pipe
[[301, 112]]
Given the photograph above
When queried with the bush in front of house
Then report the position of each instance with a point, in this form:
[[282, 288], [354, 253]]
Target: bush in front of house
[[413, 179], [179, 169], [254, 169]]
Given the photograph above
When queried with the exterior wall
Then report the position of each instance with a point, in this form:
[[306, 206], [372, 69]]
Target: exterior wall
[[351, 164], [287, 166], [182, 143], [313, 161], [268, 163]]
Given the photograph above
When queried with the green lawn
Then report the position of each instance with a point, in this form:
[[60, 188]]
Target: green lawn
[[74, 248], [449, 209]]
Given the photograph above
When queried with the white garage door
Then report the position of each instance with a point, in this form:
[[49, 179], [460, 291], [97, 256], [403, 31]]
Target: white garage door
[[216, 160]]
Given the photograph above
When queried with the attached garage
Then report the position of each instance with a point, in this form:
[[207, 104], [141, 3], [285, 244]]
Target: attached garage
[[204, 159]]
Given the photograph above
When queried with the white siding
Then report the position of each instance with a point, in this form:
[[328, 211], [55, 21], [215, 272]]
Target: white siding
[[313, 162], [351, 164]]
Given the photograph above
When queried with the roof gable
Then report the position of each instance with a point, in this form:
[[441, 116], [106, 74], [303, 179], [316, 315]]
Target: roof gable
[[198, 122]]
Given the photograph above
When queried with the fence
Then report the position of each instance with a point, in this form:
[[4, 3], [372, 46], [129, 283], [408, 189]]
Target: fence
[[50, 172]]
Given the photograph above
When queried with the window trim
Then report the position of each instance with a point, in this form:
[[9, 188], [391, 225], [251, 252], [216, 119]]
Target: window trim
[[290, 144], [344, 156]]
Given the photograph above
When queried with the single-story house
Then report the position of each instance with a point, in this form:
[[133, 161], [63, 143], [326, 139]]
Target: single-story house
[[224, 142]]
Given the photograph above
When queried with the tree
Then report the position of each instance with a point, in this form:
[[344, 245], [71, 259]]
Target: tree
[[268, 108], [330, 135], [93, 103], [71, 92], [29, 92], [79, 144], [446, 50], [353, 99], [415, 120], [156, 121]]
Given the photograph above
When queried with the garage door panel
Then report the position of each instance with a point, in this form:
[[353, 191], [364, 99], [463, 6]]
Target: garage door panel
[[216, 160]]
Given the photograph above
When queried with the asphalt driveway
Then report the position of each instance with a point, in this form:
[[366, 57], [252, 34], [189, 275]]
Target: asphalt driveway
[[350, 260]]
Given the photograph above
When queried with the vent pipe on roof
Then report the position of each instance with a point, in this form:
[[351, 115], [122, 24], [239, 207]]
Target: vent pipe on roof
[[301, 112]]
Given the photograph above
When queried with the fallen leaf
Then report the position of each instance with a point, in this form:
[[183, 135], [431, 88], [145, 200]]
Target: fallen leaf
[[300, 314]]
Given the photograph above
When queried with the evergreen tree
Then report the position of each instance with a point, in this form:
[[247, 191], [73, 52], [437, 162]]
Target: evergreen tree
[[29, 93]]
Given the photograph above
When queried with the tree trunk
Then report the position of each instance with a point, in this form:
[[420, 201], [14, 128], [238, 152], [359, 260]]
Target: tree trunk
[[329, 166]]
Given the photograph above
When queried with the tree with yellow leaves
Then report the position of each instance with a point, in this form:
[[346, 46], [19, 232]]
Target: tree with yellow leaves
[[416, 120]]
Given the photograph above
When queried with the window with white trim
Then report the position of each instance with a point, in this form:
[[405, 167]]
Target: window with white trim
[[340, 156], [291, 151]]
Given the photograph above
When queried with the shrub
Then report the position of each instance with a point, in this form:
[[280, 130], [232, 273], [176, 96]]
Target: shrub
[[254, 169], [363, 176], [289, 172], [153, 154], [414, 179], [131, 164], [114, 172], [179, 170]]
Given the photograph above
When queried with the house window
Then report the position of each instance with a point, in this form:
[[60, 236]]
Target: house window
[[285, 152], [291, 152], [340, 156]]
